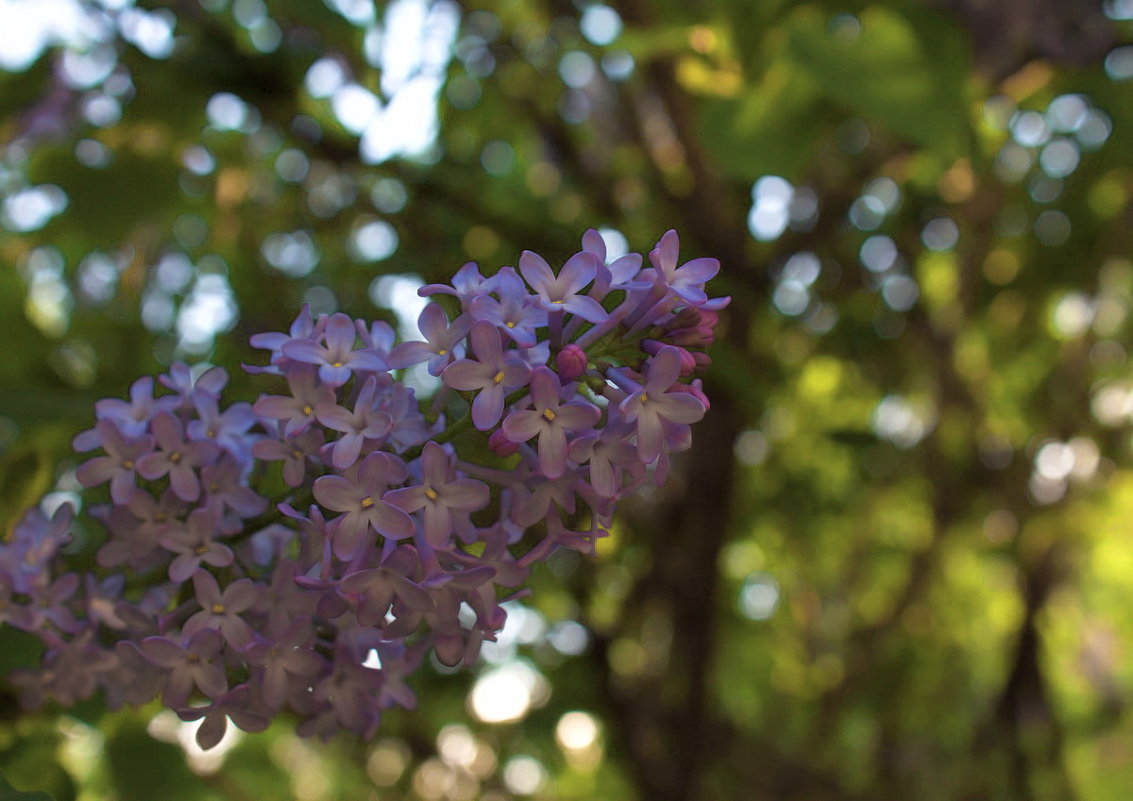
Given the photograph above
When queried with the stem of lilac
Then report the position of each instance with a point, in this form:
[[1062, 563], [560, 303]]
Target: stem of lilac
[[655, 294], [426, 554], [272, 515], [555, 330], [571, 328], [539, 551], [502, 477], [437, 404], [358, 562], [663, 306], [601, 329], [388, 546]]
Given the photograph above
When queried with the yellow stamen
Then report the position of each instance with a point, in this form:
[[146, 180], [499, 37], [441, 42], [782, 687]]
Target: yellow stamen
[[297, 454], [336, 364], [498, 377], [218, 609], [510, 324], [175, 457], [367, 503], [308, 410], [442, 352], [201, 550], [430, 493], [549, 415], [644, 397], [129, 465]]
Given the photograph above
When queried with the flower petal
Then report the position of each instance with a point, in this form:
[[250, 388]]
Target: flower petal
[[336, 493], [522, 425]]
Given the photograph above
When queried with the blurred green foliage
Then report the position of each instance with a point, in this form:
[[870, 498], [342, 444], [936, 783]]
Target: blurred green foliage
[[899, 560]]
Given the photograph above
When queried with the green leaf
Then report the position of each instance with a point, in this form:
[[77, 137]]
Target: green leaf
[[144, 769], [104, 205], [771, 129], [904, 70], [18, 649], [24, 478], [10, 793]]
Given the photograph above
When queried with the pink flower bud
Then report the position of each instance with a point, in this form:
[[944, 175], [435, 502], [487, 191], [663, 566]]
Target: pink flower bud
[[708, 318], [686, 317], [688, 363], [571, 362], [700, 336], [696, 389], [500, 444]]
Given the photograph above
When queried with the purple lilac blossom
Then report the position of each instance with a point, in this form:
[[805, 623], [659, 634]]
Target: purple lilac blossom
[[365, 422], [442, 345], [492, 375], [189, 665], [220, 611], [558, 294], [176, 457], [362, 504], [515, 313], [550, 421], [239, 607], [193, 544], [296, 410], [336, 358], [440, 494], [467, 285], [119, 466], [655, 404]]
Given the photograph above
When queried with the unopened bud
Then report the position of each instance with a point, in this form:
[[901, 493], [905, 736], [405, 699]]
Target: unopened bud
[[571, 362], [696, 389], [500, 445], [686, 317], [688, 363], [698, 336]]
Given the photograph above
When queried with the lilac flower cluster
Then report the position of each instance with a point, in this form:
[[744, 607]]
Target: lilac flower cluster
[[236, 590]]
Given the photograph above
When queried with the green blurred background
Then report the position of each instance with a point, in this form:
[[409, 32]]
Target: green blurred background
[[898, 562]]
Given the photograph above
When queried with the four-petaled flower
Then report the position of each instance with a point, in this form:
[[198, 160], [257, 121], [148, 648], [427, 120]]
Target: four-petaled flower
[[561, 293], [515, 313], [220, 611], [286, 655], [336, 359], [194, 544], [189, 665], [120, 464], [362, 504], [688, 280], [177, 457], [658, 404], [439, 494], [364, 423], [373, 590], [491, 375], [442, 341], [550, 420], [296, 410]]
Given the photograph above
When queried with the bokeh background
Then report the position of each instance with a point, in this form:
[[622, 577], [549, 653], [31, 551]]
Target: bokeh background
[[898, 562]]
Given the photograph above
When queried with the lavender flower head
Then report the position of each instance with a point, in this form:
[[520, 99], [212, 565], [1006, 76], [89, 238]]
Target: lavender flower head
[[240, 607]]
